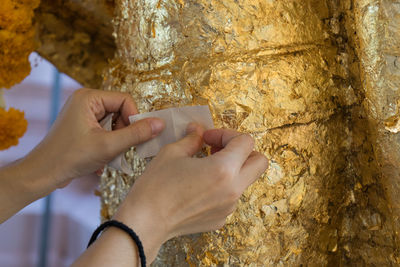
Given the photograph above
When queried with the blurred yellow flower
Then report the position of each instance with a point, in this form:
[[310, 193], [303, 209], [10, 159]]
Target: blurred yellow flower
[[12, 126], [17, 34]]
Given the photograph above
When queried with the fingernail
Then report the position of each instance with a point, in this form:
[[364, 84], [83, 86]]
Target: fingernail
[[191, 128], [157, 126]]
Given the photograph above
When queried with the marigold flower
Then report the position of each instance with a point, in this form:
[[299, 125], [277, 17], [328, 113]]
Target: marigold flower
[[12, 126]]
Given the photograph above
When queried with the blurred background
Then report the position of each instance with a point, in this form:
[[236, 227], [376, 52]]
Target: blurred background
[[52, 231]]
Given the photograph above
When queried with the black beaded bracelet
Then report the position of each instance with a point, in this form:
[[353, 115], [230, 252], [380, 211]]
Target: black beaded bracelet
[[126, 229]]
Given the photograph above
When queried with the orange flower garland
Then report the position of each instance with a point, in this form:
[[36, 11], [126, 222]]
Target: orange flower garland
[[12, 126], [16, 43]]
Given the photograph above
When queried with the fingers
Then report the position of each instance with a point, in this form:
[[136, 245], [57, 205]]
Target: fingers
[[141, 131], [232, 145], [191, 143], [252, 169], [215, 149], [219, 137], [103, 102]]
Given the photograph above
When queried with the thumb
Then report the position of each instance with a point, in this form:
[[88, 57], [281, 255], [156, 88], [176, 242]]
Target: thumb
[[139, 132], [192, 142]]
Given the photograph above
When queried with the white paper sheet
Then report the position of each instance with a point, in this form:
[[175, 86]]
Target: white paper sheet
[[176, 121]]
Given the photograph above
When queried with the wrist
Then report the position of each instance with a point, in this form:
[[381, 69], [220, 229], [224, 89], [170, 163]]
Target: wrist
[[46, 167], [34, 177], [21, 183], [147, 226]]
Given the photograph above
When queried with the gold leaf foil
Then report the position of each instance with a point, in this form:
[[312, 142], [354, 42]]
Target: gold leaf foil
[[289, 73]]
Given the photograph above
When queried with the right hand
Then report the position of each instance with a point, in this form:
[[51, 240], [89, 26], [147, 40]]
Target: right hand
[[179, 194]]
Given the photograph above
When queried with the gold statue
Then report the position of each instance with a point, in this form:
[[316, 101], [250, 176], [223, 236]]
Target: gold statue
[[314, 81]]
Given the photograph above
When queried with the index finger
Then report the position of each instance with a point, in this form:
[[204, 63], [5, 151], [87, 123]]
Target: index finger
[[235, 145], [115, 102]]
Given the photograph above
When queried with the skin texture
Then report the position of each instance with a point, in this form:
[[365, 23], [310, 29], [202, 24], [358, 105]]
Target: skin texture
[[177, 194]]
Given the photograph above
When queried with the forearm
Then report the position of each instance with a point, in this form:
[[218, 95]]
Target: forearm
[[116, 248], [113, 248], [21, 183]]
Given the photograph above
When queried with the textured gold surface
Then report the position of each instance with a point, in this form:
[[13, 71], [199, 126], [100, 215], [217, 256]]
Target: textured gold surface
[[302, 77], [378, 26]]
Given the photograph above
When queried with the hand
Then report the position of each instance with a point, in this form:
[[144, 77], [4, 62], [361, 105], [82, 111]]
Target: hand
[[77, 145], [178, 194]]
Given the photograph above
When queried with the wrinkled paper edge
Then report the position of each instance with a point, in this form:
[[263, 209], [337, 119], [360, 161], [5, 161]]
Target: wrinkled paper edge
[[176, 120]]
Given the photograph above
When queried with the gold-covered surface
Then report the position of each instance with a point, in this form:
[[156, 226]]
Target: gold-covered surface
[[378, 27], [287, 72]]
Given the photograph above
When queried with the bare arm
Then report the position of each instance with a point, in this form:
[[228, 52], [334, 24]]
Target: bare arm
[[20, 184], [75, 146], [179, 195]]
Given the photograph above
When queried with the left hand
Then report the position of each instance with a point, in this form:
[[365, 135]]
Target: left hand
[[77, 145]]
